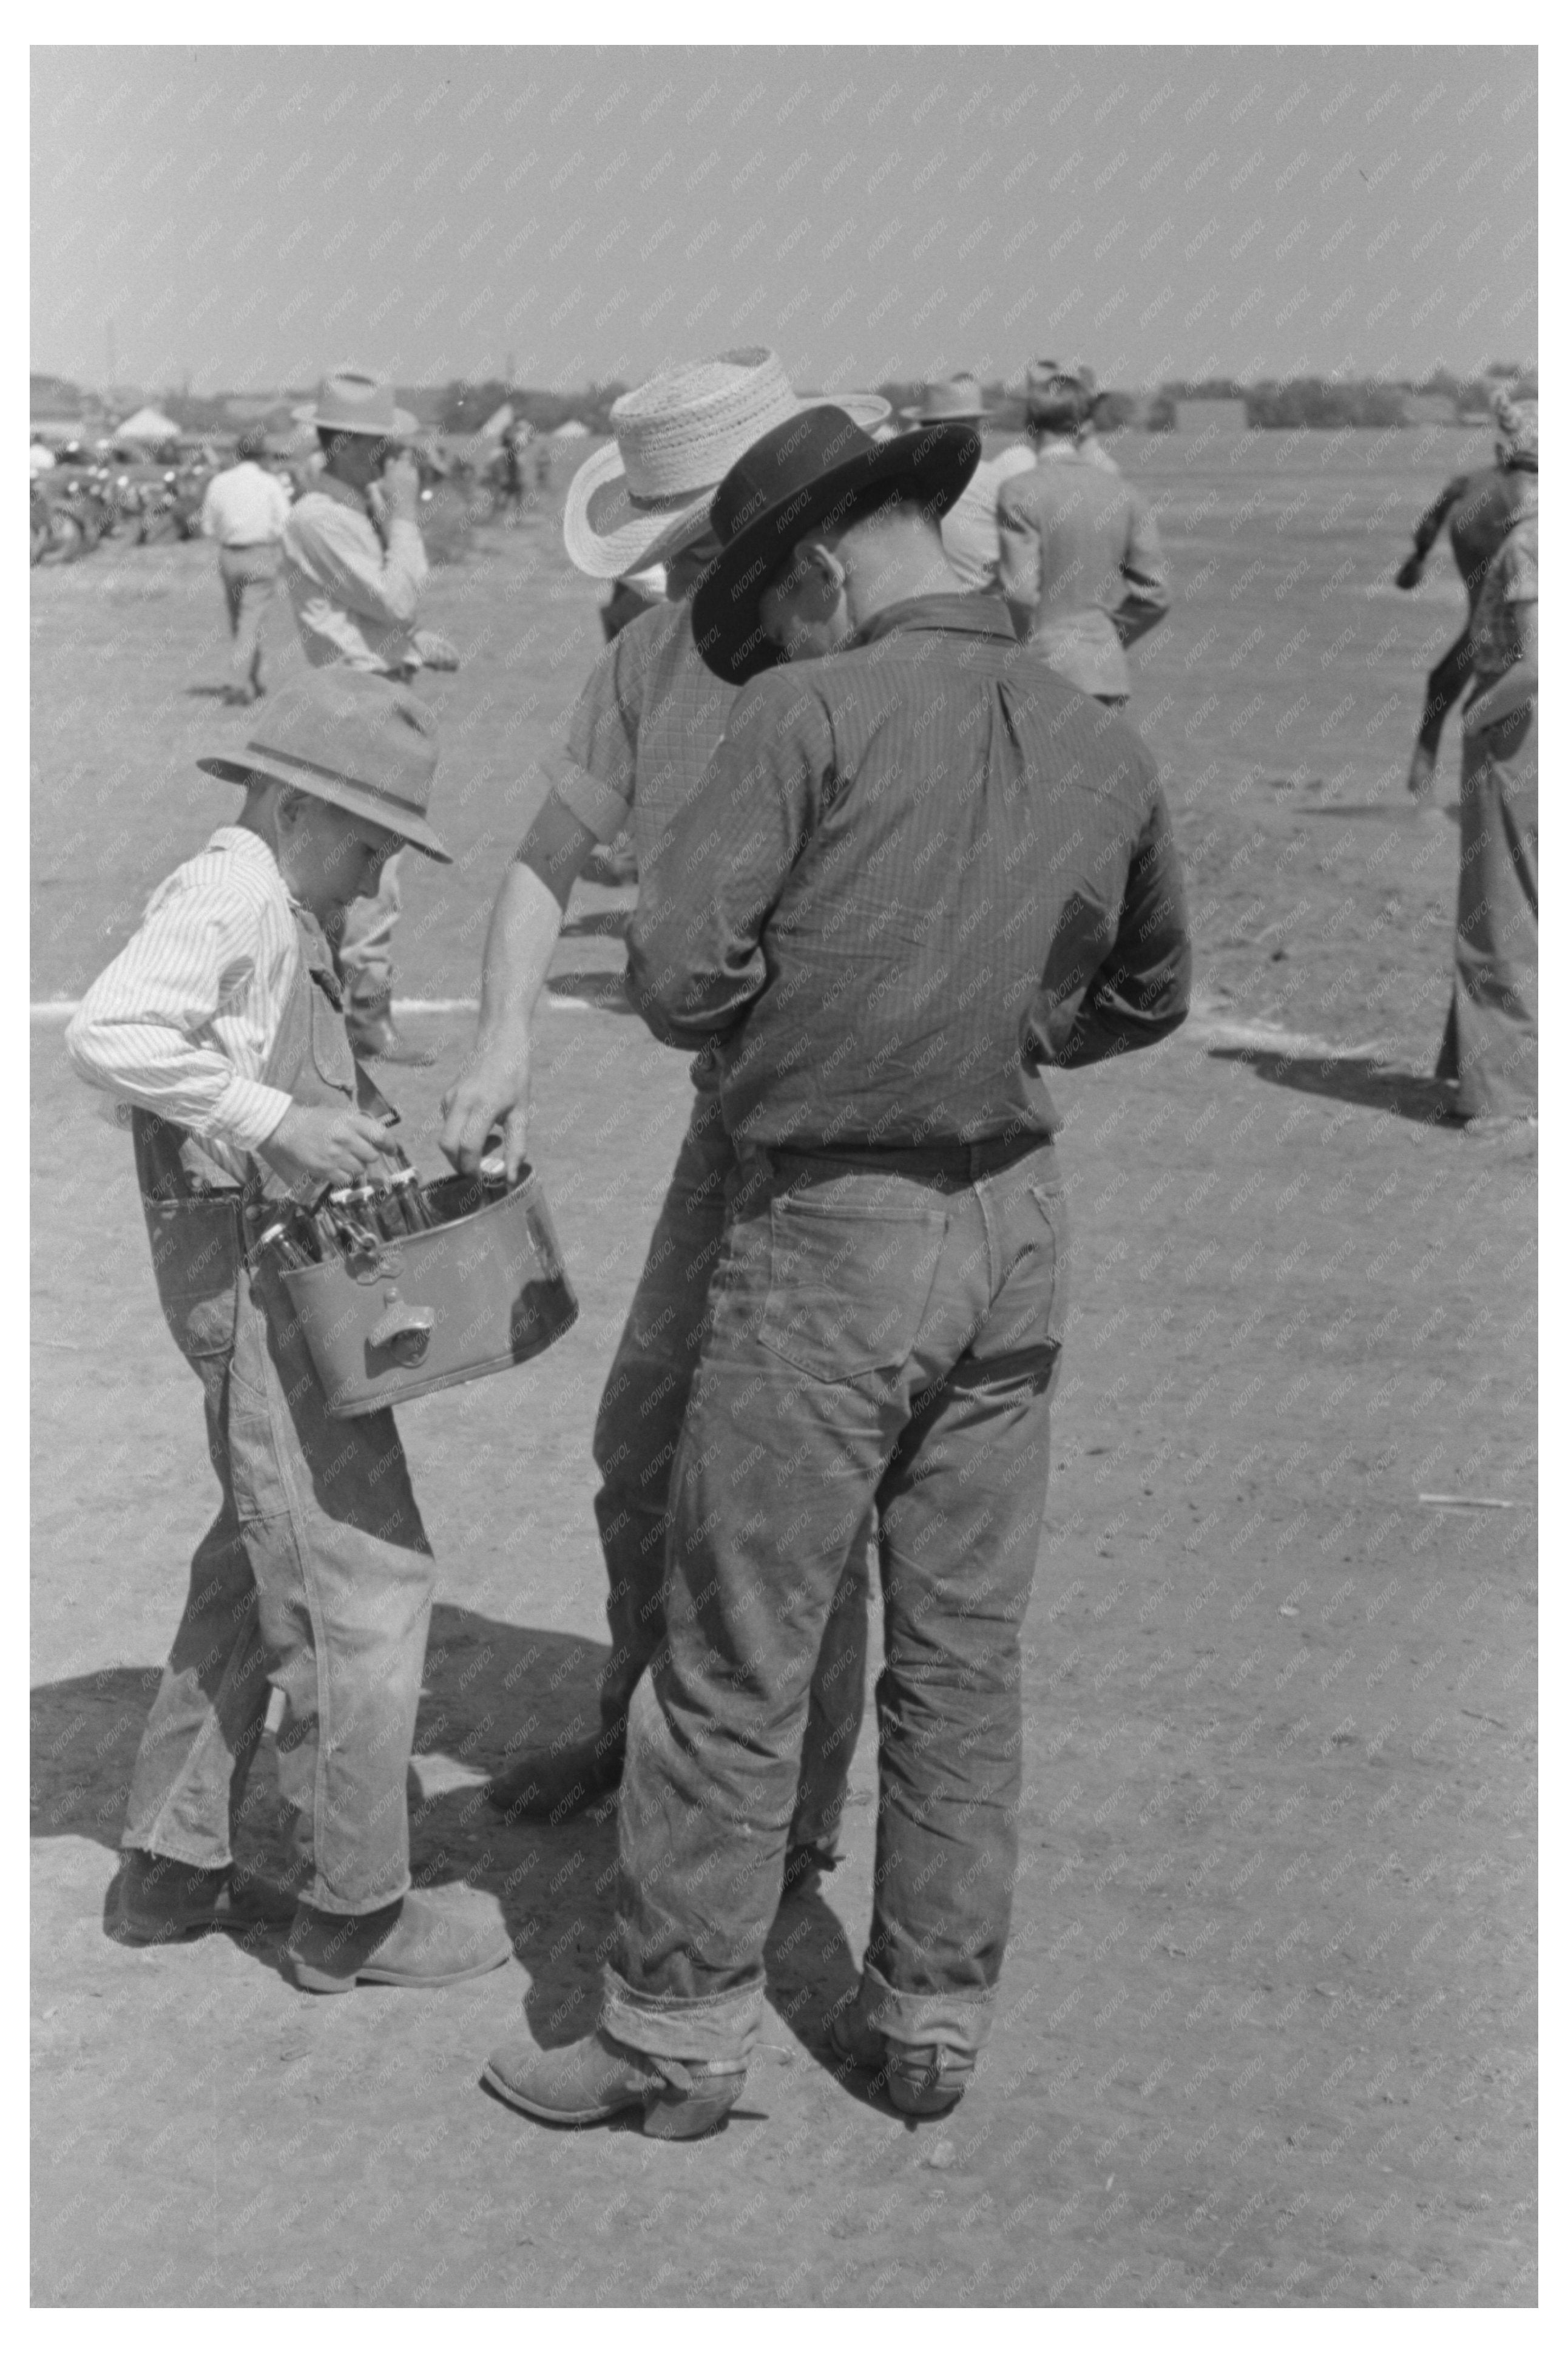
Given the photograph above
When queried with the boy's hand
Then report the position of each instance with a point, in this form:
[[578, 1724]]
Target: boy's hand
[[326, 1143]]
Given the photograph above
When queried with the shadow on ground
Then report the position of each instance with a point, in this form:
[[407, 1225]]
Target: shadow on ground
[[1349, 1079], [488, 1686]]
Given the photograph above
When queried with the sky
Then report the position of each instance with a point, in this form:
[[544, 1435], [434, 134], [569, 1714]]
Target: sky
[[249, 218]]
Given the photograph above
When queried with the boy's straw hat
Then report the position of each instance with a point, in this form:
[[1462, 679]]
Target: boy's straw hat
[[363, 743]]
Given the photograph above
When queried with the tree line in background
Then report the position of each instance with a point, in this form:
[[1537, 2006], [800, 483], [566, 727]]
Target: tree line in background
[[461, 407]]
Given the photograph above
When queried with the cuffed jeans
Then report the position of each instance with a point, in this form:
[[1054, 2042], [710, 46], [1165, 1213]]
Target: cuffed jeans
[[885, 1328], [634, 1441], [316, 1575]]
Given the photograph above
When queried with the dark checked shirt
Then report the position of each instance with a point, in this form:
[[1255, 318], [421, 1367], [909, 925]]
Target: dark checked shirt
[[647, 723], [916, 874]]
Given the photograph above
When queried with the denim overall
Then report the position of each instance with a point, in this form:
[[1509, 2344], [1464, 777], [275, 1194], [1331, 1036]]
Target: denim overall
[[316, 1575]]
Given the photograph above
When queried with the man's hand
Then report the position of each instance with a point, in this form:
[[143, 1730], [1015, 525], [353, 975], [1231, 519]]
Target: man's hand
[[434, 650], [1409, 573], [325, 1143], [493, 1087], [400, 487]]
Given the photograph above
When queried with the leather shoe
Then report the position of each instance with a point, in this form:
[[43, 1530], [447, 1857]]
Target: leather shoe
[[927, 2081], [586, 2082], [381, 1041], [548, 1785], [417, 1941], [160, 1902]]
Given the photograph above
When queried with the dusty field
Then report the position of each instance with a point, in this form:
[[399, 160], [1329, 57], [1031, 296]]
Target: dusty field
[[1268, 2026]]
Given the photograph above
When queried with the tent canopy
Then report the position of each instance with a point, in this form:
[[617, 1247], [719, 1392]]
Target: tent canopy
[[147, 425]]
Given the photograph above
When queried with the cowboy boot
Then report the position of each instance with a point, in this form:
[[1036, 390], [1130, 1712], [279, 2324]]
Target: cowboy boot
[[923, 2080], [417, 1941], [156, 1901], [587, 2082]]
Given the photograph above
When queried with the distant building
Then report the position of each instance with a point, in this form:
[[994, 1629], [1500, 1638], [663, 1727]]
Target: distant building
[[1428, 408], [1214, 417]]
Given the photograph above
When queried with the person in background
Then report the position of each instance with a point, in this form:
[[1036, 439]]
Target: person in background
[[918, 872], [969, 527], [1480, 510], [355, 565], [219, 1023], [1488, 1050], [649, 721], [1081, 565], [245, 509]]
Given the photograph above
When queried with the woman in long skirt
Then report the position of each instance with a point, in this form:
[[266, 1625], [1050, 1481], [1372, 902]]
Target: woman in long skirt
[[1488, 1050]]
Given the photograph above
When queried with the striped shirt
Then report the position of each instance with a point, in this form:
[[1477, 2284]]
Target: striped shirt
[[356, 600], [184, 1019], [918, 871], [647, 723]]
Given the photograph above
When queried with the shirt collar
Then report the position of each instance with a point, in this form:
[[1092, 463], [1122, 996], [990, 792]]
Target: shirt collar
[[345, 495], [975, 614]]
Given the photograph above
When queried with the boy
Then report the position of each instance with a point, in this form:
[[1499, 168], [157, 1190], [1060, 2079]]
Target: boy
[[222, 1024]]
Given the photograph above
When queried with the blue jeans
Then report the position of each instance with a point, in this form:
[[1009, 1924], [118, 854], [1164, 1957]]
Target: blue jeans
[[316, 1575], [886, 1328], [634, 1441]]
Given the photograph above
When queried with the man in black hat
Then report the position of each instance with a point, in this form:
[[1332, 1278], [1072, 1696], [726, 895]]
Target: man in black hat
[[917, 873]]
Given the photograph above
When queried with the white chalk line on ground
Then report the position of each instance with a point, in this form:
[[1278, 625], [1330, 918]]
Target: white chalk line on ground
[[60, 1008], [1257, 1035]]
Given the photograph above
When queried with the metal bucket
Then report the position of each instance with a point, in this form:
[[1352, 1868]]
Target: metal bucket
[[486, 1290]]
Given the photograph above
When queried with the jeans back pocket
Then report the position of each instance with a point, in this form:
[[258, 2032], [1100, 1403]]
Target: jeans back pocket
[[196, 1258], [848, 1288]]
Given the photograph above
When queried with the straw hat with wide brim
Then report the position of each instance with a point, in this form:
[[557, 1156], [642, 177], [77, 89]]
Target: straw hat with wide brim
[[818, 470], [363, 743], [352, 401], [646, 494]]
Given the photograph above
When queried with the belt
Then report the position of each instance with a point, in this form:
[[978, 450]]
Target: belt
[[947, 1157], [243, 546]]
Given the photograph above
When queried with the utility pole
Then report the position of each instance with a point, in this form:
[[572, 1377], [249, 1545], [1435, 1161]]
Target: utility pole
[[108, 339]]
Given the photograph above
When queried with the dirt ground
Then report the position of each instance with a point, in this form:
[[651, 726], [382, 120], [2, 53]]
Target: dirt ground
[[1266, 2028]]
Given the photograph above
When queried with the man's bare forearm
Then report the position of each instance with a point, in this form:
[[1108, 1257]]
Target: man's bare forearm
[[524, 927]]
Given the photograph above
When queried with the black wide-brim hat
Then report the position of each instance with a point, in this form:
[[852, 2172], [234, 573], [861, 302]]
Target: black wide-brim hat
[[818, 470]]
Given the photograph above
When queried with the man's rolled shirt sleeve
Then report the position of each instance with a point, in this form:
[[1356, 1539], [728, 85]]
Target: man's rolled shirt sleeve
[[695, 962], [595, 777]]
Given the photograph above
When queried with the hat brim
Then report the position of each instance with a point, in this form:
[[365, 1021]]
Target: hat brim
[[607, 533], [403, 427], [360, 801], [935, 463]]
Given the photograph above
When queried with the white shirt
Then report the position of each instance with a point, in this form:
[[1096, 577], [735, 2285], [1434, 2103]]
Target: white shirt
[[969, 532], [183, 1020], [356, 600], [244, 506]]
